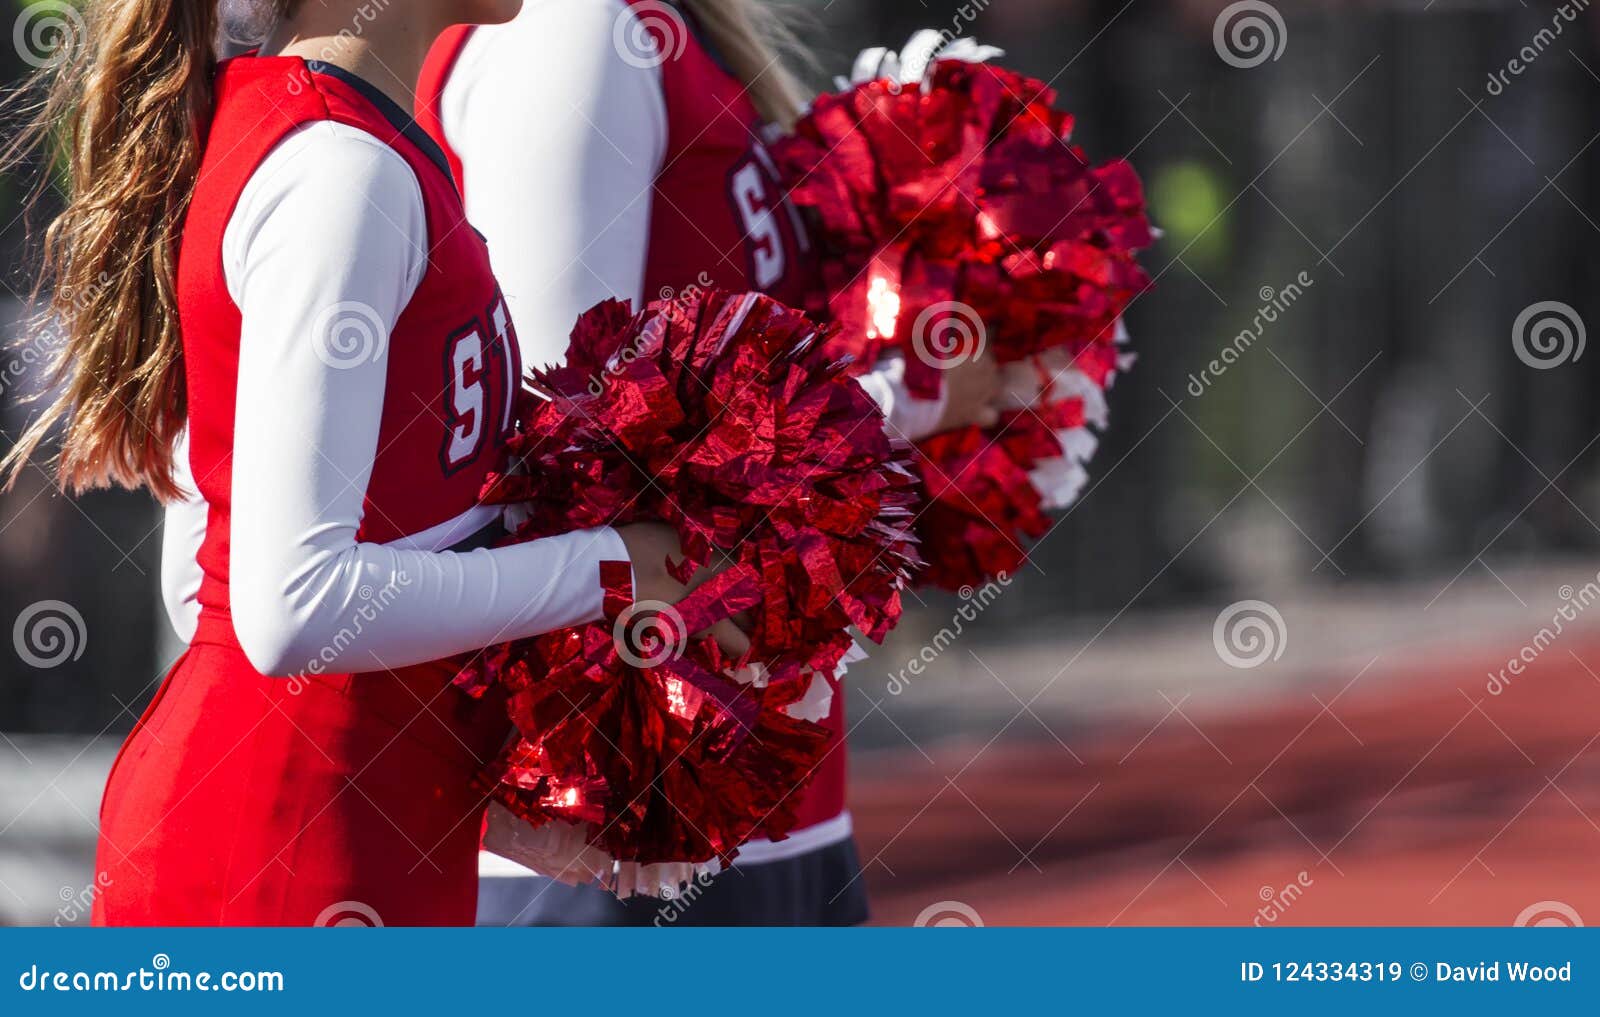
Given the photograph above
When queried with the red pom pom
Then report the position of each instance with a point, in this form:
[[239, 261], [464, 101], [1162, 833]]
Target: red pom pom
[[724, 417], [955, 217]]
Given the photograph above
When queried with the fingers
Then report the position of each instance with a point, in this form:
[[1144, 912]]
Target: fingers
[[988, 377], [732, 640]]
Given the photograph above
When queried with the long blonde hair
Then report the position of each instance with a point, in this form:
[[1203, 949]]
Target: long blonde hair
[[126, 98], [754, 39]]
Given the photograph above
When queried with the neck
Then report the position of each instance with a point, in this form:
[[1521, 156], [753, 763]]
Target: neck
[[386, 51]]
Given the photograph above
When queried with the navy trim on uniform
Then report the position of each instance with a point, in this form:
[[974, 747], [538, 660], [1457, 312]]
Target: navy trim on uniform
[[398, 118], [489, 536], [702, 37]]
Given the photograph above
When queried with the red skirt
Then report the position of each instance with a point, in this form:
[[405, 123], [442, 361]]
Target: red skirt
[[337, 799]]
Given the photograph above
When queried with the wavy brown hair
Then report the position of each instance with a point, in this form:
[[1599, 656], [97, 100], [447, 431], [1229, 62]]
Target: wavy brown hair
[[123, 110], [755, 39]]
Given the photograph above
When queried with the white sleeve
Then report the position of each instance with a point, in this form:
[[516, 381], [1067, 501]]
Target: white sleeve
[[334, 218], [561, 139], [562, 187], [183, 530], [907, 416]]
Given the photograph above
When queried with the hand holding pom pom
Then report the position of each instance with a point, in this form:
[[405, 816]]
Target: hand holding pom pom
[[752, 480], [958, 224]]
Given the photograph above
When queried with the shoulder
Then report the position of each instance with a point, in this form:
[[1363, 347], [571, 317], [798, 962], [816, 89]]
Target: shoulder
[[330, 161], [569, 70], [329, 180], [557, 36]]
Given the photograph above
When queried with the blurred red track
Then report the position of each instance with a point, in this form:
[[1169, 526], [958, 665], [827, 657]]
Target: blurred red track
[[1414, 798]]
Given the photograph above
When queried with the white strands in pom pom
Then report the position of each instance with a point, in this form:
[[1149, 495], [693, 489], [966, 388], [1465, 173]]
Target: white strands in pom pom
[[561, 851], [1060, 481], [665, 881], [558, 850], [817, 703], [910, 65]]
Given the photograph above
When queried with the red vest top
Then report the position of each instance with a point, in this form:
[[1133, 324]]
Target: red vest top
[[453, 361]]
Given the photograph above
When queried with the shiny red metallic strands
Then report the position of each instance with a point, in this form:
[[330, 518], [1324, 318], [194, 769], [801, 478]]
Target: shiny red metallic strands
[[725, 417], [963, 198]]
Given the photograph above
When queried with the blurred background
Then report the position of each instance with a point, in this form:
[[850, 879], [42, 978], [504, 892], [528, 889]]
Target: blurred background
[[1259, 673]]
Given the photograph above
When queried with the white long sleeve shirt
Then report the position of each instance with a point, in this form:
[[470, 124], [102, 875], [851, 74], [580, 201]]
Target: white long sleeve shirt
[[333, 216]]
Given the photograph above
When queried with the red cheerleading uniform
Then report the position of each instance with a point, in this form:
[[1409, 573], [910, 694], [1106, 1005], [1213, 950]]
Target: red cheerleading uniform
[[718, 219], [326, 798]]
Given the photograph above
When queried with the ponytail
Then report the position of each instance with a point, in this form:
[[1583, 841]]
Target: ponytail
[[125, 107], [753, 39]]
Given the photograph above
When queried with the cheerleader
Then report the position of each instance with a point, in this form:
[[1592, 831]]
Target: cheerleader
[[274, 252], [616, 148]]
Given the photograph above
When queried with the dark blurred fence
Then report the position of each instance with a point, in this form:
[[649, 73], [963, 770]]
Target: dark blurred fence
[[1352, 437]]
